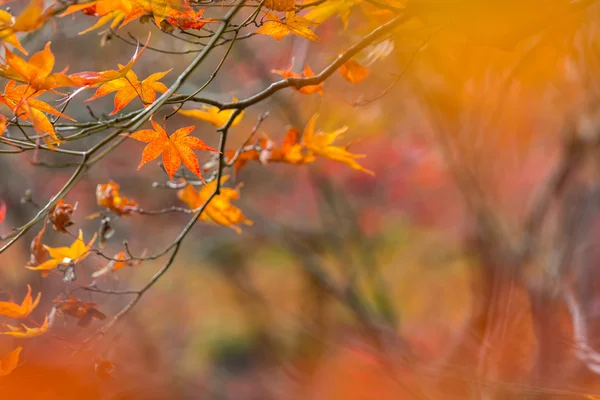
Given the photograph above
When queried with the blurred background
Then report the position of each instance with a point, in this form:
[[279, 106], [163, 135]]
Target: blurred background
[[464, 268]]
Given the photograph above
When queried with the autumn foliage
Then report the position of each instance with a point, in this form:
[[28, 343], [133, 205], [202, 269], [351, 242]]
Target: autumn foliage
[[331, 199]]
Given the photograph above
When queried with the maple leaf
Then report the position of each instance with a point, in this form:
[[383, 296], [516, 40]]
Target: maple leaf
[[175, 149], [129, 87], [113, 11], [65, 255], [219, 210], [31, 19], [353, 71], [38, 253], [188, 19], [213, 115], [22, 101], [308, 73], [37, 72], [280, 5], [25, 331], [2, 211], [13, 310], [278, 29], [60, 216], [158, 9], [292, 151], [10, 361], [84, 311], [266, 151], [321, 144], [107, 195]]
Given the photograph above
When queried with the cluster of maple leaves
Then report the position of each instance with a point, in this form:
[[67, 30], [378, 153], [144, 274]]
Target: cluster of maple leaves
[[29, 78]]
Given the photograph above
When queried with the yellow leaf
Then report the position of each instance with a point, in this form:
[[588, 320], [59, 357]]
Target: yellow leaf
[[219, 210], [328, 9], [13, 310], [278, 29], [32, 18], [213, 115], [64, 255], [25, 331]]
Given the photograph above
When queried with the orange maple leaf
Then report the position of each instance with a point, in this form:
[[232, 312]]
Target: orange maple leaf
[[175, 149], [22, 101], [266, 151], [13, 310], [65, 255], [278, 28], [37, 72], [129, 87], [287, 73], [219, 210], [10, 361], [321, 144], [107, 195], [188, 19], [25, 331], [117, 11], [353, 71]]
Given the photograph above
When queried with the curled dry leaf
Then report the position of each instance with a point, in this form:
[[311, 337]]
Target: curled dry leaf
[[219, 210], [13, 310], [84, 311], [9, 362], [26, 332], [108, 196], [60, 216], [105, 231], [38, 253]]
